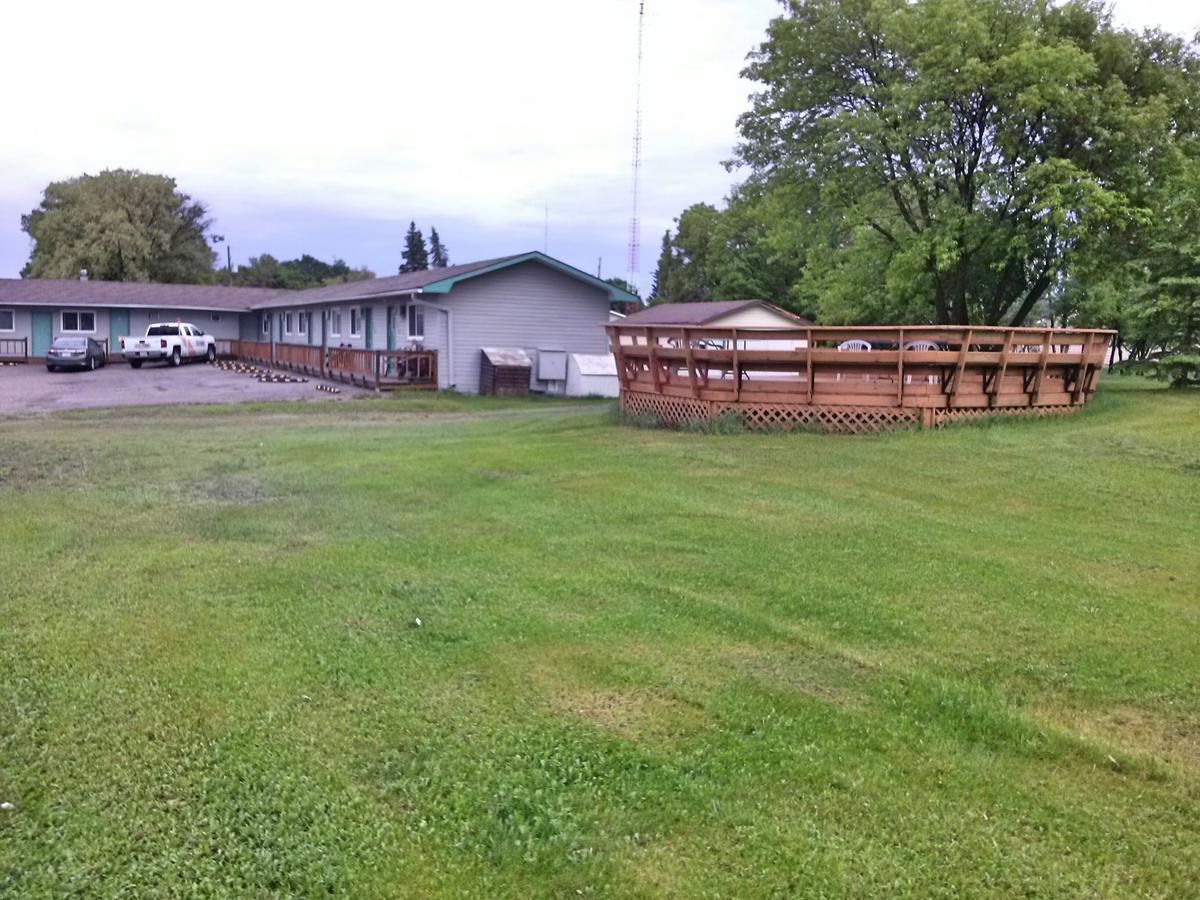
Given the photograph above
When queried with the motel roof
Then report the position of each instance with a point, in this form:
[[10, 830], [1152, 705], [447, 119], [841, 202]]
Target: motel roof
[[53, 292]]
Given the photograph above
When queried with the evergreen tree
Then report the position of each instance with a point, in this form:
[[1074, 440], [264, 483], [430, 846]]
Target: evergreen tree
[[439, 258], [416, 257], [660, 286]]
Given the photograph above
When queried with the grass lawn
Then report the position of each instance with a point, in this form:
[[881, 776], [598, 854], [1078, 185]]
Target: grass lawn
[[925, 664]]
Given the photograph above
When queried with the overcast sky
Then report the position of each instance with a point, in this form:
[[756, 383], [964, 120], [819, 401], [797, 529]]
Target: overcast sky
[[325, 127]]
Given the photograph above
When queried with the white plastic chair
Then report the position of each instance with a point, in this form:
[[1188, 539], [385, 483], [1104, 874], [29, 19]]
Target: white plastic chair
[[919, 346]]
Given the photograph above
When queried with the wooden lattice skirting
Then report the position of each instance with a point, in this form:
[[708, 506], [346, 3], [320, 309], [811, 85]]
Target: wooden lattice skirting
[[944, 417], [684, 411]]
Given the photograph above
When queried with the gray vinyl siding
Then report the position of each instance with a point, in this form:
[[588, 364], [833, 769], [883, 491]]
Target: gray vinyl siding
[[225, 327], [22, 323], [530, 306], [248, 327]]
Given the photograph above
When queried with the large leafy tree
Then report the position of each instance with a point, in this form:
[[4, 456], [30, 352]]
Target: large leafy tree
[[120, 225], [967, 152], [415, 256]]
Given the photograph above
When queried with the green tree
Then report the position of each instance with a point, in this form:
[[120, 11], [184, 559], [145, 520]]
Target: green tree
[[968, 152], [439, 256], [297, 274], [415, 256], [694, 234], [662, 271], [120, 225]]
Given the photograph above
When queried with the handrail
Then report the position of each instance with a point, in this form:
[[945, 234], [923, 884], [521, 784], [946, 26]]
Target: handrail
[[930, 366], [369, 368], [14, 349]]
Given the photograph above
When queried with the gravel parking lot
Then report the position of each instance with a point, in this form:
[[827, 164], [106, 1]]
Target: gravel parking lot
[[31, 389]]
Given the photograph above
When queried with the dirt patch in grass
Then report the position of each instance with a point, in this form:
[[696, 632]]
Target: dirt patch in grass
[[1171, 738], [236, 490], [825, 675], [636, 714]]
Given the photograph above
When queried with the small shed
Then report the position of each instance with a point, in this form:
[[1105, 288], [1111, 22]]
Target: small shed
[[504, 370], [592, 375]]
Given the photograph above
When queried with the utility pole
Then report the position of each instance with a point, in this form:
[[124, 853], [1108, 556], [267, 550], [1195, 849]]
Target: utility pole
[[635, 226]]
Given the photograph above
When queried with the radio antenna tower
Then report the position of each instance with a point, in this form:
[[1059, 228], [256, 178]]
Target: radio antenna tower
[[635, 228]]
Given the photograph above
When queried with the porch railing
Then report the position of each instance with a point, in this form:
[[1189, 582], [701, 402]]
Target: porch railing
[[378, 369], [14, 349]]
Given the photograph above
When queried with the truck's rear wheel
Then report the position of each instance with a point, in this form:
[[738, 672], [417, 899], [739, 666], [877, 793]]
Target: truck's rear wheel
[[135, 364], [212, 353], [176, 358]]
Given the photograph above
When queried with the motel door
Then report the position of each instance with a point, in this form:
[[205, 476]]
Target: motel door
[[118, 325], [42, 333]]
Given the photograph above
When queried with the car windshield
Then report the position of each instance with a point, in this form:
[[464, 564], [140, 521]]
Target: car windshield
[[162, 330], [70, 343]]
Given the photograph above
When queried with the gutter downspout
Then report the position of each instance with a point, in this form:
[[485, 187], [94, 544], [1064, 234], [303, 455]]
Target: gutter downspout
[[449, 333]]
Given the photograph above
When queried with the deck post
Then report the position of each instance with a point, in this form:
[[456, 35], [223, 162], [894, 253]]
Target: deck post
[[1082, 372], [691, 362], [900, 370], [652, 358], [956, 382], [324, 343], [737, 368], [1043, 359], [998, 375], [808, 363]]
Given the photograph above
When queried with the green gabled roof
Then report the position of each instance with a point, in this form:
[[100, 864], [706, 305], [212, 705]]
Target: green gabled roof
[[444, 285]]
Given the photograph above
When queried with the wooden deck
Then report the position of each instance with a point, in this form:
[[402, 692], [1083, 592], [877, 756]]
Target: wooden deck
[[379, 369], [854, 379]]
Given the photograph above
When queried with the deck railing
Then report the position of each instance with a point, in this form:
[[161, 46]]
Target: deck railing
[[924, 372], [379, 369], [14, 349]]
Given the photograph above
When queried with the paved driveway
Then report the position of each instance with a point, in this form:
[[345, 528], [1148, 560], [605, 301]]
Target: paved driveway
[[31, 389]]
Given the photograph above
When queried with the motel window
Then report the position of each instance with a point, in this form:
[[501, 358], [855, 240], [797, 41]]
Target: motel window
[[78, 321], [335, 323], [8, 320], [355, 321], [303, 322], [266, 325], [416, 321], [215, 317], [288, 322]]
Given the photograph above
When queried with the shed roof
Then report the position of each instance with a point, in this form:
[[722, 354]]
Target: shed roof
[[507, 356], [703, 312], [595, 363]]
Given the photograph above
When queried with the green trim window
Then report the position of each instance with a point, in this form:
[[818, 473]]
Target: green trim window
[[8, 320]]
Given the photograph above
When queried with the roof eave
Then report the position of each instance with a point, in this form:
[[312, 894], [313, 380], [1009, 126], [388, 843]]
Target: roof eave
[[615, 293]]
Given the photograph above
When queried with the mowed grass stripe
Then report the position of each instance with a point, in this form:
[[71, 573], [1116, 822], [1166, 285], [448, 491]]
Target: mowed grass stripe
[[649, 663]]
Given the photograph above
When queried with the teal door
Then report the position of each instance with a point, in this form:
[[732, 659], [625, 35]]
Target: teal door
[[367, 327], [118, 327], [41, 333]]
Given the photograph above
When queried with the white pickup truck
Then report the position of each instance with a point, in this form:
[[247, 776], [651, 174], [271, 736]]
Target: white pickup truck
[[170, 342]]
